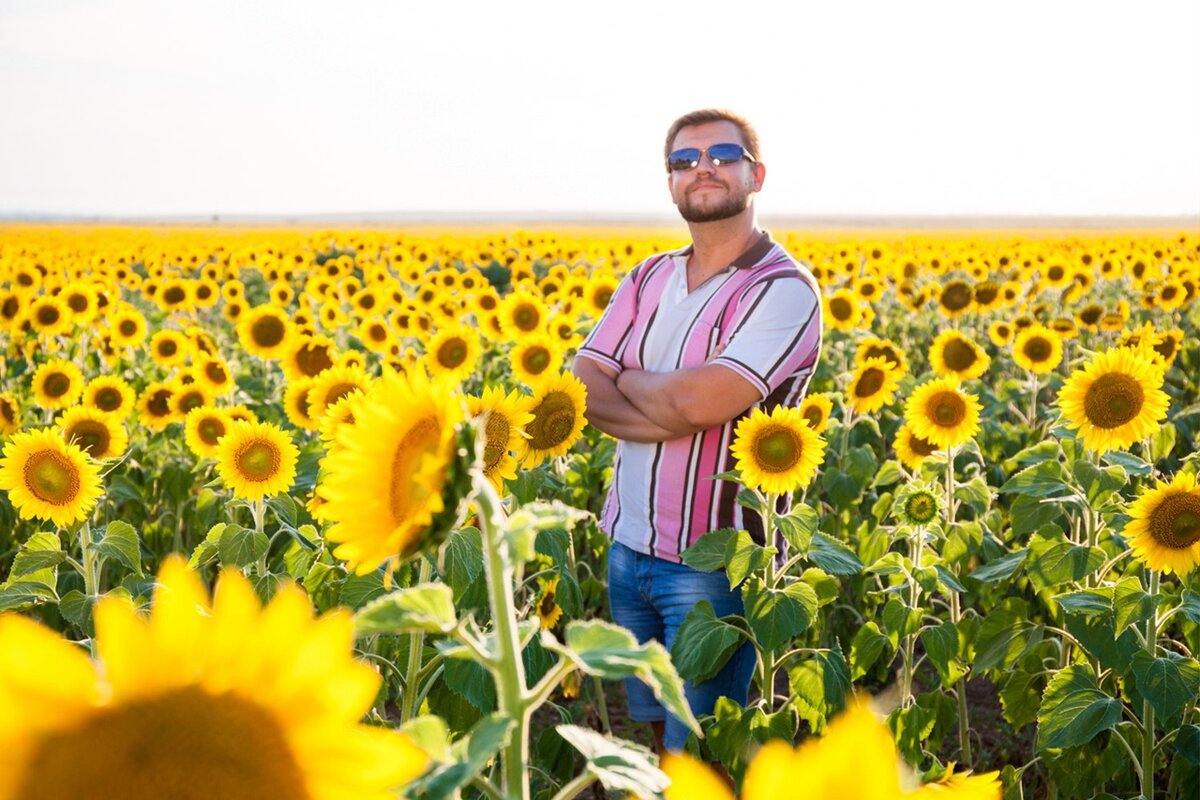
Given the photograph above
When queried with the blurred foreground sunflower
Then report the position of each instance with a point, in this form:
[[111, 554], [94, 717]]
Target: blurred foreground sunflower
[[1164, 529], [219, 698], [855, 758]]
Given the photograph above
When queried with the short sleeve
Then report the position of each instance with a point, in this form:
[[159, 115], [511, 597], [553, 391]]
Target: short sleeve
[[607, 341], [775, 333]]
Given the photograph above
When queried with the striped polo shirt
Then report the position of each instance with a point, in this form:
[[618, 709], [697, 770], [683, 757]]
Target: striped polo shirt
[[761, 318]]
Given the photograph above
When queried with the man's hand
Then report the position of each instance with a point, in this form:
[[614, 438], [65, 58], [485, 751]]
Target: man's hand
[[612, 412], [691, 400]]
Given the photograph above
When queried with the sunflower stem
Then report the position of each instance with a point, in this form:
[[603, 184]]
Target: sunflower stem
[[258, 510], [1033, 398], [914, 597], [416, 642], [91, 573], [1147, 708], [964, 724], [509, 671]]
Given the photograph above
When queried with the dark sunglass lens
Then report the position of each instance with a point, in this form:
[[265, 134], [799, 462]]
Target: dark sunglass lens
[[686, 158], [725, 153]]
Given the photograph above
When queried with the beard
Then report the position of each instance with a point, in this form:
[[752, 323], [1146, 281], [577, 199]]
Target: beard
[[731, 206]]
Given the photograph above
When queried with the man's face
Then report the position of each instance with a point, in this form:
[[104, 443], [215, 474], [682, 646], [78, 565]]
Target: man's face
[[707, 193]]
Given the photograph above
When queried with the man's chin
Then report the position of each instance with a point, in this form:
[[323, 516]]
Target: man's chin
[[716, 214]]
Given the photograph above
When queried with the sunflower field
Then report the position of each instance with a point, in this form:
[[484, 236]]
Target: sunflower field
[[300, 513]]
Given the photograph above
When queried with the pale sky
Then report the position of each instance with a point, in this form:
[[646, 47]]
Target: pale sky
[[166, 107]]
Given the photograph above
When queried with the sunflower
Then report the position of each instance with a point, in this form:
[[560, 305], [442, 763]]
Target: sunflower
[[308, 356], [213, 374], [1114, 400], [127, 327], [1038, 349], [256, 460], [387, 483], [855, 758], [170, 348], [98, 434], [203, 429], [334, 384], [240, 413], [558, 418], [49, 316], [10, 414], [48, 478], [912, 449], [546, 605], [953, 355], [174, 295], [187, 397], [843, 310], [535, 357], [916, 504], [943, 414], [207, 698], [1001, 333], [503, 418], [815, 409], [521, 313], [1164, 525], [110, 394], [154, 406], [956, 298], [295, 404], [600, 290], [57, 384], [872, 386], [452, 352], [777, 452], [874, 347], [265, 331], [374, 334], [336, 417]]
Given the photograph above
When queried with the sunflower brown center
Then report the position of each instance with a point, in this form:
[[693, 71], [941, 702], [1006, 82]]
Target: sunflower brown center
[[77, 302], [51, 478], [1175, 521], [921, 446], [215, 372], [108, 399], [535, 360], [268, 331], [258, 460], [496, 431], [959, 355], [841, 308], [160, 403], [946, 409], [8, 411], [167, 347], [313, 359], [340, 390], [957, 295], [210, 430], [1038, 349], [601, 297], [48, 315], [190, 400], [813, 416], [186, 744], [93, 437], [882, 351], [174, 295], [56, 384], [526, 317], [405, 492], [777, 450], [1091, 314], [1113, 400], [452, 353], [553, 421], [127, 327], [870, 383]]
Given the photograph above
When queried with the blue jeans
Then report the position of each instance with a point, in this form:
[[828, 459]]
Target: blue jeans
[[651, 596]]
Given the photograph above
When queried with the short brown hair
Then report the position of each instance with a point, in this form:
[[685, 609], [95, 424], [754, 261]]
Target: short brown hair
[[706, 115]]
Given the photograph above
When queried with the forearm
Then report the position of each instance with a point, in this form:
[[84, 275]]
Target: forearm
[[691, 399], [655, 394], [610, 411]]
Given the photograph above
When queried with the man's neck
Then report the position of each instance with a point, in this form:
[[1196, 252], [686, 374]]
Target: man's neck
[[716, 244]]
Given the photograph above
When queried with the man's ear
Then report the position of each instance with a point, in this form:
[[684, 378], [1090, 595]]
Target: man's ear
[[760, 175]]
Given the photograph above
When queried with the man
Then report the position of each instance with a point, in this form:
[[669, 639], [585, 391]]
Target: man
[[692, 341]]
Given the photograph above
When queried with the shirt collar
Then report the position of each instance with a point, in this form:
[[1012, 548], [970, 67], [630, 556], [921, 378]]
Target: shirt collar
[[747, 259]]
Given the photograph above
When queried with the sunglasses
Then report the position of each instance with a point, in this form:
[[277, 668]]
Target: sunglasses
[[689, 157]]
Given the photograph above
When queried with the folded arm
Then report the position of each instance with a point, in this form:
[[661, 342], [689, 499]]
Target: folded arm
[[692, 399], [612, 412]]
